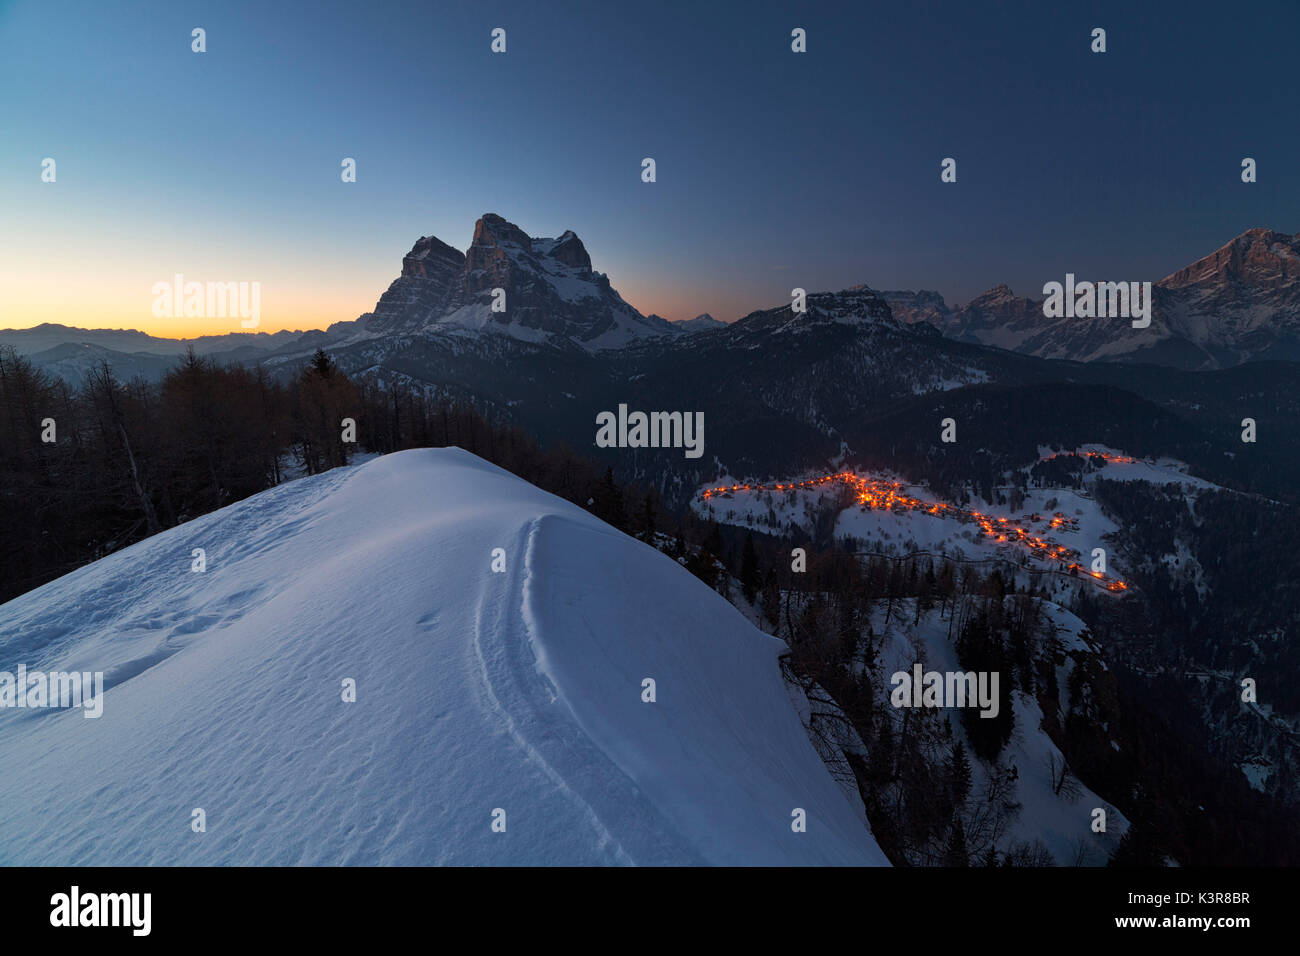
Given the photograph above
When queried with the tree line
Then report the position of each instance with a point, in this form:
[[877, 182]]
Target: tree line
[[88, 470]]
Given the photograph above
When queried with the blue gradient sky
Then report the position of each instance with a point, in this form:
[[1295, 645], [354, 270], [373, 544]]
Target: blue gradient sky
[[774, 169]]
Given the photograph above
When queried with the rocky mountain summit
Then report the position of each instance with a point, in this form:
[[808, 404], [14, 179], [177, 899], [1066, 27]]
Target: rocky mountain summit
[[551, 292], [701, 323]]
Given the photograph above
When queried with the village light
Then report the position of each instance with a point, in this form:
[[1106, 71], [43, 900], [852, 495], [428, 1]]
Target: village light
[[887, 495]]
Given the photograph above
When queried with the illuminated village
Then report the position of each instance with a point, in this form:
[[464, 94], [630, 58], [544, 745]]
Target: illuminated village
[[881, 494]]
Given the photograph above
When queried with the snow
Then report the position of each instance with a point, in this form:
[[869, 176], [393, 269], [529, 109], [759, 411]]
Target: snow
[[478, 316], [572, 287], [1159, 471], [474, 691], [1257, 774]]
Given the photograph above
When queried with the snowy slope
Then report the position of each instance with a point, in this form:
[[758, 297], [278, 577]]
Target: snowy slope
[[475, 691]]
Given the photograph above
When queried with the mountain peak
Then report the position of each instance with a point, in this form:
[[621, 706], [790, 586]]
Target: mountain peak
[[569, 250], [1260, 256], [998, 293], [491, 230], [550, 291], [701, 323], [922, 305], [857, 306], [430, 256], [1260, 232]]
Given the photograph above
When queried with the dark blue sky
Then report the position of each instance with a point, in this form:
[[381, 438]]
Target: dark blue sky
[[774, 169]]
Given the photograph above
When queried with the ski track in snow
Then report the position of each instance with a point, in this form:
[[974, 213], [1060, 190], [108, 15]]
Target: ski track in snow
[[505, 675]]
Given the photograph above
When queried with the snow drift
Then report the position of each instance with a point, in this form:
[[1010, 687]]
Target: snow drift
[[476, 691]]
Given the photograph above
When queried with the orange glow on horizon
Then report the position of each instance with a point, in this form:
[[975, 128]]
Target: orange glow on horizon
[[119, 293], [116, 291], [302, 314], [119, 305]]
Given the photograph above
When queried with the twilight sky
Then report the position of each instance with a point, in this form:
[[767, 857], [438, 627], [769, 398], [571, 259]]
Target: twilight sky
[[775, 169]]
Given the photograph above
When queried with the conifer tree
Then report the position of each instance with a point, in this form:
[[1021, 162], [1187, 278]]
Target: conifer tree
[[954, 854], [749, 576], [959, 774]]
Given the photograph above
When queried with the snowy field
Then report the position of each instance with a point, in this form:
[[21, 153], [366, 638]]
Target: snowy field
[[476, 691]]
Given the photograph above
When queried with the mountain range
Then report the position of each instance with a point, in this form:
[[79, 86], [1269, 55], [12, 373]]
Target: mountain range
[[1239, 303], [859, 372]]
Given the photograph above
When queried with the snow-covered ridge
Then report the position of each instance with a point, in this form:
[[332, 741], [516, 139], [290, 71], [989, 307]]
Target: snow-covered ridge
[[476, 690]]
